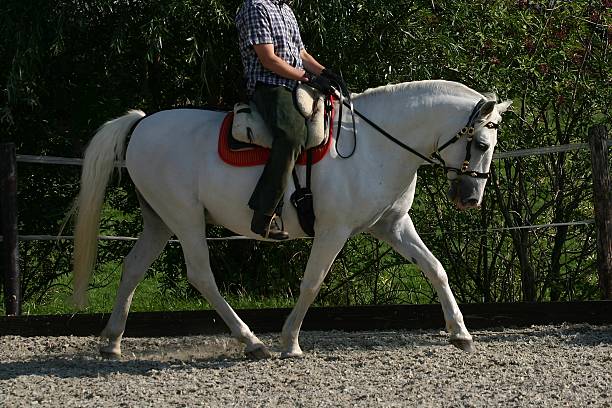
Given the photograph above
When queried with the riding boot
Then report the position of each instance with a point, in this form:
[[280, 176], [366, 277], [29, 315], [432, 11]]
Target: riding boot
[[266, 226]]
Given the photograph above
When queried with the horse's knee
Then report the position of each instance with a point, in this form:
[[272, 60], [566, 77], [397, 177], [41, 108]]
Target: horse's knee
[[196, 278], [131, 272], [308, 292]]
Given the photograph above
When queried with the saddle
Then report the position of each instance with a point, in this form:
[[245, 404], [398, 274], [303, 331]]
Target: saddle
[[245, 140], [250, 128]]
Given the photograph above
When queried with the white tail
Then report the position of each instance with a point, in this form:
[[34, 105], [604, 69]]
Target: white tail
[[106, 147]]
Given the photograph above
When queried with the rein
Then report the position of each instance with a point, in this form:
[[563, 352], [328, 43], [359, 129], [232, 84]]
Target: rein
[[468, 131], [393, 139]]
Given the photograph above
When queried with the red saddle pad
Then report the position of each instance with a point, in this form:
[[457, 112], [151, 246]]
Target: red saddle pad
[[259, 155]]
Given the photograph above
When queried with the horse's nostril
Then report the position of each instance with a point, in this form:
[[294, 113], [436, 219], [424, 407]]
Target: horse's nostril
[[472, 202]]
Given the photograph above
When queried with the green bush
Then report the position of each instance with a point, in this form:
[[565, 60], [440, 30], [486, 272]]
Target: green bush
[[68, 66]]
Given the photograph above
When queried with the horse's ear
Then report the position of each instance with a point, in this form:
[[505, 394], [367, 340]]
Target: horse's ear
[[487, 108], [502, 107]]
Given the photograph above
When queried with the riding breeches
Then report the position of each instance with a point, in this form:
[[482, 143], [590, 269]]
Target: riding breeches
[[276, 106]]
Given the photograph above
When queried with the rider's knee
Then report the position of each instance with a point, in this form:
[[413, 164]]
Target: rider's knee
[[292, 142]]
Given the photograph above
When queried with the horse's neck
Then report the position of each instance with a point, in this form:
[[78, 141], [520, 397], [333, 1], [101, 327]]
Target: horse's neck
[[420, 115], [417, 118]]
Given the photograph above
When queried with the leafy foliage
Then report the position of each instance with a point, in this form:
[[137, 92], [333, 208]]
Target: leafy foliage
[[67, 66]]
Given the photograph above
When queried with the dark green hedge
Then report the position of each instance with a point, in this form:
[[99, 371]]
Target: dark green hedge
[[67, 66]]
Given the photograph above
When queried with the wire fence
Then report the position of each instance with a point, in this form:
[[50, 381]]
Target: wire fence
[[489, 235], [53, 160], [241, 237]]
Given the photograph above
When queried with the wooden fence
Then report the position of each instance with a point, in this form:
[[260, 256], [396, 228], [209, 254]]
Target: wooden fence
[[353, 318]]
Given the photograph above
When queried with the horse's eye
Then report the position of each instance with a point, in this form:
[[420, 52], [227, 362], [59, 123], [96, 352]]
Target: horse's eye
[[482, 146], [492, 125]]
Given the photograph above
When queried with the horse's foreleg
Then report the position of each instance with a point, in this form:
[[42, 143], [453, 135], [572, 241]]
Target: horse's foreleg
[[398, 230], [324, 250], [151, 242]]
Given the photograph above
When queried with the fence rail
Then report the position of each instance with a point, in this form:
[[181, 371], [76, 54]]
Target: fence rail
[[545, 150], [535, 151], [351, 318]]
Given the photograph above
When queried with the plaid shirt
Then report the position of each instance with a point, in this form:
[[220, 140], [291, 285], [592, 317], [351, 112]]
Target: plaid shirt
[[268, 22]]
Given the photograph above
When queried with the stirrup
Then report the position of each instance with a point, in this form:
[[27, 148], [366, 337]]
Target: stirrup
[[267, 227], [283, 235]]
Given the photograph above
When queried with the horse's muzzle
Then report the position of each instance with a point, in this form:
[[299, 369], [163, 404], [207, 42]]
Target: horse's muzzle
[[465, 194]]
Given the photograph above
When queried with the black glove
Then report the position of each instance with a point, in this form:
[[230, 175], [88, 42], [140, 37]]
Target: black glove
[[335, 79], [321, 83], [329, 74]]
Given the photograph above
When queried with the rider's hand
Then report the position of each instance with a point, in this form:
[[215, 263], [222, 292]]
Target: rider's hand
[[334, 79], [321, 83], [330, 74]]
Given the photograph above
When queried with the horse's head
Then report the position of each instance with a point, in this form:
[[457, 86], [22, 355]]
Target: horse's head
[[468, 158]]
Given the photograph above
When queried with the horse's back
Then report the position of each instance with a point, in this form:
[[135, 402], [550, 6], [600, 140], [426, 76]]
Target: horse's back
[[175, 126], [172, 133]]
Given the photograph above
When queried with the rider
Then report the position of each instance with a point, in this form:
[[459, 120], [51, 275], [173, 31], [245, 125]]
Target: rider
[[274, 60]]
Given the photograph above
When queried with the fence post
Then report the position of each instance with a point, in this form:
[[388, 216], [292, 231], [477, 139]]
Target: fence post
[[602, 197], [8, 222]]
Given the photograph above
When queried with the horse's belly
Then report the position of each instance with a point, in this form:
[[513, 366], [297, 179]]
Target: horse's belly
[[225, 192]]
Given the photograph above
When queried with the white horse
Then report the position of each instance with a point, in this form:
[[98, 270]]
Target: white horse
[[183, 185]]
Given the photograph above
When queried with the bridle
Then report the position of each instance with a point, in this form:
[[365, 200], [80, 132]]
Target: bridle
[[467, 131]]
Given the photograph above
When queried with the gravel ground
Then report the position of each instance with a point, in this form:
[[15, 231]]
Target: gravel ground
[[543, 366]]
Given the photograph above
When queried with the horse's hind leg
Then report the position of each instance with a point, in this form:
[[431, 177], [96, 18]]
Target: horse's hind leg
[[151, 242], [398, 230], [188, 224]]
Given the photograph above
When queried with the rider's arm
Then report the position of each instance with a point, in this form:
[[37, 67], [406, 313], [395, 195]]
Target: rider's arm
[[272, 62], [310, 63]]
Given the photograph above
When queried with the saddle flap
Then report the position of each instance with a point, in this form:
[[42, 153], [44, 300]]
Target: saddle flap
[[311, 104], [247, 154]]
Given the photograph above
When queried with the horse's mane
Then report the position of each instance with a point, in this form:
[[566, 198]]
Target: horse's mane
[[437, 86]]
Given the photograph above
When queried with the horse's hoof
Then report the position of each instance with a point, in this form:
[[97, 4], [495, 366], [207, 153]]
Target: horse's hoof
[[464, 344], [109, 354], [292, 354], [258, 353]]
